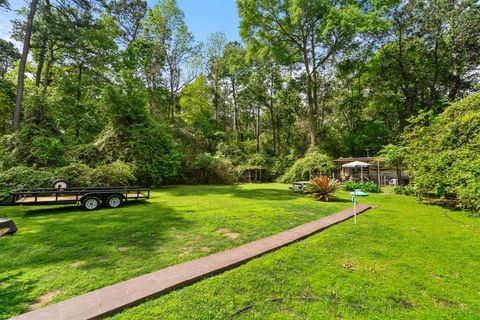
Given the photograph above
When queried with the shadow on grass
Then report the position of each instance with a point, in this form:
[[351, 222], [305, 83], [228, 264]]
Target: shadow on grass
[[14, 292], [68, 234], [341, 200], [49, 210], [235, 191]]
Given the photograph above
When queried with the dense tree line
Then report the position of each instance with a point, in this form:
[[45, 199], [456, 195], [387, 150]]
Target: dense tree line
[[114, 80]]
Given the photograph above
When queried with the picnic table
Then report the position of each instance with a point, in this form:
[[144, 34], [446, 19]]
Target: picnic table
[[299, 186]]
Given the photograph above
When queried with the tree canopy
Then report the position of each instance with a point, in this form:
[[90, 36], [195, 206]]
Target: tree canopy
[[117, 80]]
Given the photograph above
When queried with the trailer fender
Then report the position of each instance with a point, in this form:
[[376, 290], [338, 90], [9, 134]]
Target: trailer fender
[[102, 196]]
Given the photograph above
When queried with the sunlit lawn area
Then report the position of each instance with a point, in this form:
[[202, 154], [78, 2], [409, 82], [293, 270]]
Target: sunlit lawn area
[[62, 252], [403, 260]]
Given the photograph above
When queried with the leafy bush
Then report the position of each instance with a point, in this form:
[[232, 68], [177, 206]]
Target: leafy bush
[[405, 190], [77, 174], [349, 186], [213, 169], [25, 177], [204, 161], [322, 188], [115, 174], [85, 153], [47, 152], [204, 164], [153, 153], [225, 171], [7, 144], [133, 136], [37, 141], [442, 158], [313, 163], [364, 186]]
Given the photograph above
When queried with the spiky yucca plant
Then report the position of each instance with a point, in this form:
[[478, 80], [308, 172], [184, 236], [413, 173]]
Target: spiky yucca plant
[[323, 187]]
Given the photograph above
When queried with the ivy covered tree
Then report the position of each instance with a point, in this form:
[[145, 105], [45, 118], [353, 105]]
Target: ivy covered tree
[[442, 157]]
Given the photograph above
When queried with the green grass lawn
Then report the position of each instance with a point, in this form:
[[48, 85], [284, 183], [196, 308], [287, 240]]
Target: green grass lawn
[[404, 260], [62, 252]]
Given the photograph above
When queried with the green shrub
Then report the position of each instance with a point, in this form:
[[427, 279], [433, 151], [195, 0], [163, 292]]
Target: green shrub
[[224, 171], [47, 152], [370, 187], [204, 161], [37, 142], [364, 186], [313, 163], [204, 165], [77, 174], [114, 174], [85, 153], [154, 154], [150, 148], [133, 136], [7, 144], [405, 190], [443, 153], [25, 177], [349, 186], [213, 169]]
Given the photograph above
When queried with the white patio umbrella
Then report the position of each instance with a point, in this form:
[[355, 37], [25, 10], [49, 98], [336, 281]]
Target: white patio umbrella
[[357, 164]]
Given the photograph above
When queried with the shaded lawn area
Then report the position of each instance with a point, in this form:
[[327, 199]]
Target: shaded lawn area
[[63, 252], [404, 260]]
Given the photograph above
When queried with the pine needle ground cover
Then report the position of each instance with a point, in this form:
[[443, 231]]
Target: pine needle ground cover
[[404, 260], [61, 252]]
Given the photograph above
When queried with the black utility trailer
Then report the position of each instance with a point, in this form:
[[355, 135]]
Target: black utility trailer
[[89, 198]]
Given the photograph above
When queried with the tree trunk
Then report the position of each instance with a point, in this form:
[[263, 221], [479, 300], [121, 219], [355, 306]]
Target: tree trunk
[[79, 96], [274, 131], [312, 116], [257, 127], [235, 110], [46, 76], [399, 175], [22, 65], [41, 60], [272, 116]]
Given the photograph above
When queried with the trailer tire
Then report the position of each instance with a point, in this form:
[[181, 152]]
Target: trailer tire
[[114, 201], [91, 203]]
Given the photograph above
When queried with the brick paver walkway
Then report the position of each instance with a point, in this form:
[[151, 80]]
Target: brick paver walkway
[[105, 301]]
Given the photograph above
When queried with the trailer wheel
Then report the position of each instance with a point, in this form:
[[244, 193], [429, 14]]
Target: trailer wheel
[[90, 203], [114, 201]]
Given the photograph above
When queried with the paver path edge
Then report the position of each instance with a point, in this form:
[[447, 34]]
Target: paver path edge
[[105, 301]]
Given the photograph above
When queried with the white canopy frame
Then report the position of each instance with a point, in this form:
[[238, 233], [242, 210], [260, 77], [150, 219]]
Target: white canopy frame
[[357, 164]]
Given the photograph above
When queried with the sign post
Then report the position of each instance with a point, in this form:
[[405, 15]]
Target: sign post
[[354, 200]]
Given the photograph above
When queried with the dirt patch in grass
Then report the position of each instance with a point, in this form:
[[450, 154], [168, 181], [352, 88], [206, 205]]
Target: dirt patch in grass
[[123, 248], [44, 299], [205, 249], [403, 302], [78, 263], [444, 303], [186, 252], [349, 266], [103, 257], [436, 276], [229, 234]]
